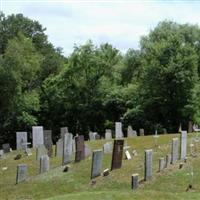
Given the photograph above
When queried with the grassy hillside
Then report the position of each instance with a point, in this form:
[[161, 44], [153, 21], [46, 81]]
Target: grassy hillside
[[76, 184]]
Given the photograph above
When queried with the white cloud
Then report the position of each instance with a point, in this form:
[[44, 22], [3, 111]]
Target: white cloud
[[120, 23]]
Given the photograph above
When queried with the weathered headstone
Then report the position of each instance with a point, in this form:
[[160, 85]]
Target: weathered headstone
[[97, 136], [117, 154], [44, 163], [6, 147], [38, 136], [1, 154], [168, 160], [135, 181], [88, 150], [183, 144], [80, 148], [128, 155], [96, 163], [48, 142], [28, 152], [108, 134], [92, 135], [164, 131], [161, 164], [73, 146], [148, 164], [21, 173], [174, 150], [59, 148], [130, 132], [67, 148], [107, 147], [40, 151], [21, 140], [118, 130], [63, 131], [141, 132], [190, 127]]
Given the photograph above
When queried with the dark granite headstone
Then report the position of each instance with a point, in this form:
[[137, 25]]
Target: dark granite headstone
[[117, 154], [6, 147], [48, 142], [80, 148]]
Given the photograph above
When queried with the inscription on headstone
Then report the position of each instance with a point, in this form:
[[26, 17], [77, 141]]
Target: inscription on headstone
[[38, 136], [21, 138], [96, 163]]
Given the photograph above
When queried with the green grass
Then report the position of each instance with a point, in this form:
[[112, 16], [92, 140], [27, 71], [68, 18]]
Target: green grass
[[76, 184]]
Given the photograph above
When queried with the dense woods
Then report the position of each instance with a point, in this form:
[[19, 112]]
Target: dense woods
[[154, 87]]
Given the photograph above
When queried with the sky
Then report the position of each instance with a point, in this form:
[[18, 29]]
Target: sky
[[120, 23]]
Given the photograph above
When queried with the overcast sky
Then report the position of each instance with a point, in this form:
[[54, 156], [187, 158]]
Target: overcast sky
[[120, 23]]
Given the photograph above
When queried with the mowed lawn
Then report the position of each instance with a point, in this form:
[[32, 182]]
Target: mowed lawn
[[76, 184]]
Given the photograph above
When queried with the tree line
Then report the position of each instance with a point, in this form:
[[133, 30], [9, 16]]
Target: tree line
[[154, 87]]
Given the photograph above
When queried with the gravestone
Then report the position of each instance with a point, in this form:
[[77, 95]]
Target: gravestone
[[128, 155], [40, 151], [59, 148], [161, 164], [108, 134], [6, 147], [118, 130], [1, 154], [174, 150], [107, 147], [117, 154], [73, 146], [80, 148], [44, 163], [21, 173], [190, 127], [21, 140], [135, 181], [67, 148], [148, 164], [92, 135], [168, 160], [183, 144], [97, 136], [38, 136], [130, 132], [97, 158], [141, 132], [88, 151], [48, 142], [63, 131], [164, 131]]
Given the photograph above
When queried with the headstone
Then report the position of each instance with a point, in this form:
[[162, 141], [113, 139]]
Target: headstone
[[164, 131], [168, 160], [117, 154], [161, 164], [183, 144], [135, 181], [97, 136], [40, 151], [108, 134], [44, 163], [59, 148], [128, 155], [148, 164], [91, 135], [118, 130], [48, 142], [97, 158], [174, 150], [1, 154], [63, 131], [21, 173], [180, 128], [73, 146], [67, 148], [28, 152], [80, 148], [88, 150], [21, 138], [190, 127], [38, 136], [107, 147], [6, 147], [141, 132], [130, 132]]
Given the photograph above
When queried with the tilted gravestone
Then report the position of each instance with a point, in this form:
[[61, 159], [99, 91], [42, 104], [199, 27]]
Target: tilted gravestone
[[130, 132], [40, 151], [107, 147], [141, 132], [118, 130], [148, 164], [48, 142], [183, 144], [108, 134], [59, 148], [6, 147], [63, 131], [44, 163], [174, 150], [21, 173], [117, 154], [97, 158], [21, 140], [67, 148], [37, 135], [128, 155], [80, 148]]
